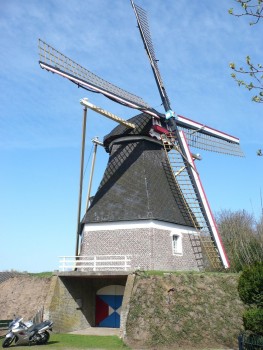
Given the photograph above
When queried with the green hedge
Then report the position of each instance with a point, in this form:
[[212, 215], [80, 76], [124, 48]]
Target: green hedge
[[250, 286], [253, 320]]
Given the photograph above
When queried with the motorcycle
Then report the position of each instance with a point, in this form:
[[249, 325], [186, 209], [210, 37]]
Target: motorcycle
[[27, 333]]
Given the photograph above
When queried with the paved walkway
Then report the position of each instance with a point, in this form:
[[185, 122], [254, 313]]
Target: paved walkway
[[98, 331]]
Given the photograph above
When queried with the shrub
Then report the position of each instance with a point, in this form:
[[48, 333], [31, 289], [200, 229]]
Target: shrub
[[253, 320], [250, 285]]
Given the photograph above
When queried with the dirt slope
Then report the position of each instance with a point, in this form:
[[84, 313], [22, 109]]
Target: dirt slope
[[23, 296]]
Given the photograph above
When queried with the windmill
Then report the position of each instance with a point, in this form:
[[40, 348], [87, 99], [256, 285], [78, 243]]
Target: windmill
[[151, 176]]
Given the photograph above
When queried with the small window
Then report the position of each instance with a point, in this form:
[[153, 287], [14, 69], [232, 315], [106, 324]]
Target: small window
[[176, 244]]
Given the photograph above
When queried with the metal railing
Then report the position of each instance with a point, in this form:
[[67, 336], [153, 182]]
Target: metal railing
[[95, 263], [3, 327], [250, 342]]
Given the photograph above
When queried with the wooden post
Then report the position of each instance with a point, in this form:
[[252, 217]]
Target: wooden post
[[81, 177]]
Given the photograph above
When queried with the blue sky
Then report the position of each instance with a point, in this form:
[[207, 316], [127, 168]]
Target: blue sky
[[40, 114]]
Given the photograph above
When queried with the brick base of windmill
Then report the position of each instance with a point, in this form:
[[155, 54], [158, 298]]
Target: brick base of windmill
[[149, 245]]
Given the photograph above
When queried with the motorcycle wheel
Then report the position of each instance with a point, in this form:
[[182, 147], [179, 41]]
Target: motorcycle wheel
[[7, 342], [44, 338]]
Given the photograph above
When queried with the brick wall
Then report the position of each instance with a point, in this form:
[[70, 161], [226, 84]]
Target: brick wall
[[150, 245]]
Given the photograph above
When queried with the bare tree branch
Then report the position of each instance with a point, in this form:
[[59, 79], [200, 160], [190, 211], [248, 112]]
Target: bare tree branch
[[251, 8], [255, 72], [254, 9]]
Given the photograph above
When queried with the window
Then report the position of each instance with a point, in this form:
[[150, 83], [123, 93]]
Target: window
[[177, 244]]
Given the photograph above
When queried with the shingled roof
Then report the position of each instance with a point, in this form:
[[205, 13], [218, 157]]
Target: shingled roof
[[143, 123], [138, 183]]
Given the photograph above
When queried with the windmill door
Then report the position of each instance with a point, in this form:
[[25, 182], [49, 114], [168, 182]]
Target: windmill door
[[108, 306]]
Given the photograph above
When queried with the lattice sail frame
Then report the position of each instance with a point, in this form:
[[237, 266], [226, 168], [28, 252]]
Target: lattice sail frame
[[211, 143], [144, 29], [56, 62], [198, 135], [188, 180]]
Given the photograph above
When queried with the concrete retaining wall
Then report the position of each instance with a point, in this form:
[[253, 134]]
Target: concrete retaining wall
[[72, 300]]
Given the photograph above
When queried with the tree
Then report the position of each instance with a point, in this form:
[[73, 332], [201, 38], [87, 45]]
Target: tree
[[252, 71], [242, 236]]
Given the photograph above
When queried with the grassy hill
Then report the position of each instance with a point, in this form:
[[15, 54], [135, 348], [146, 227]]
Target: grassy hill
[[166, 310], [190, 310]]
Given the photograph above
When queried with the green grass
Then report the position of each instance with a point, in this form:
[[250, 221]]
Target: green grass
[[164, 273], [33, 274], [41, 274], [73, 341]]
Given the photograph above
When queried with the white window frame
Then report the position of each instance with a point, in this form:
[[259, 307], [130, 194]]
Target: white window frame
[[178, 250]]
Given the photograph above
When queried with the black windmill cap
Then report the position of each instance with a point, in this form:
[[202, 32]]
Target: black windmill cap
[[143, 124]]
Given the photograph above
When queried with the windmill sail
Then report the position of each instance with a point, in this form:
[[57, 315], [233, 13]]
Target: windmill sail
[[204, 137], [56, 62], [143, 26], [198, 135], [186, 176]]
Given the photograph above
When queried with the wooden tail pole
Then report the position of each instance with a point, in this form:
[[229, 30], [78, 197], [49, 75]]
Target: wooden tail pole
[[107, 114], [81, 177]]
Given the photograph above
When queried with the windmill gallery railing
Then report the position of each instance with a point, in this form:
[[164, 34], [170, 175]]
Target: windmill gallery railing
[[95, 263]]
